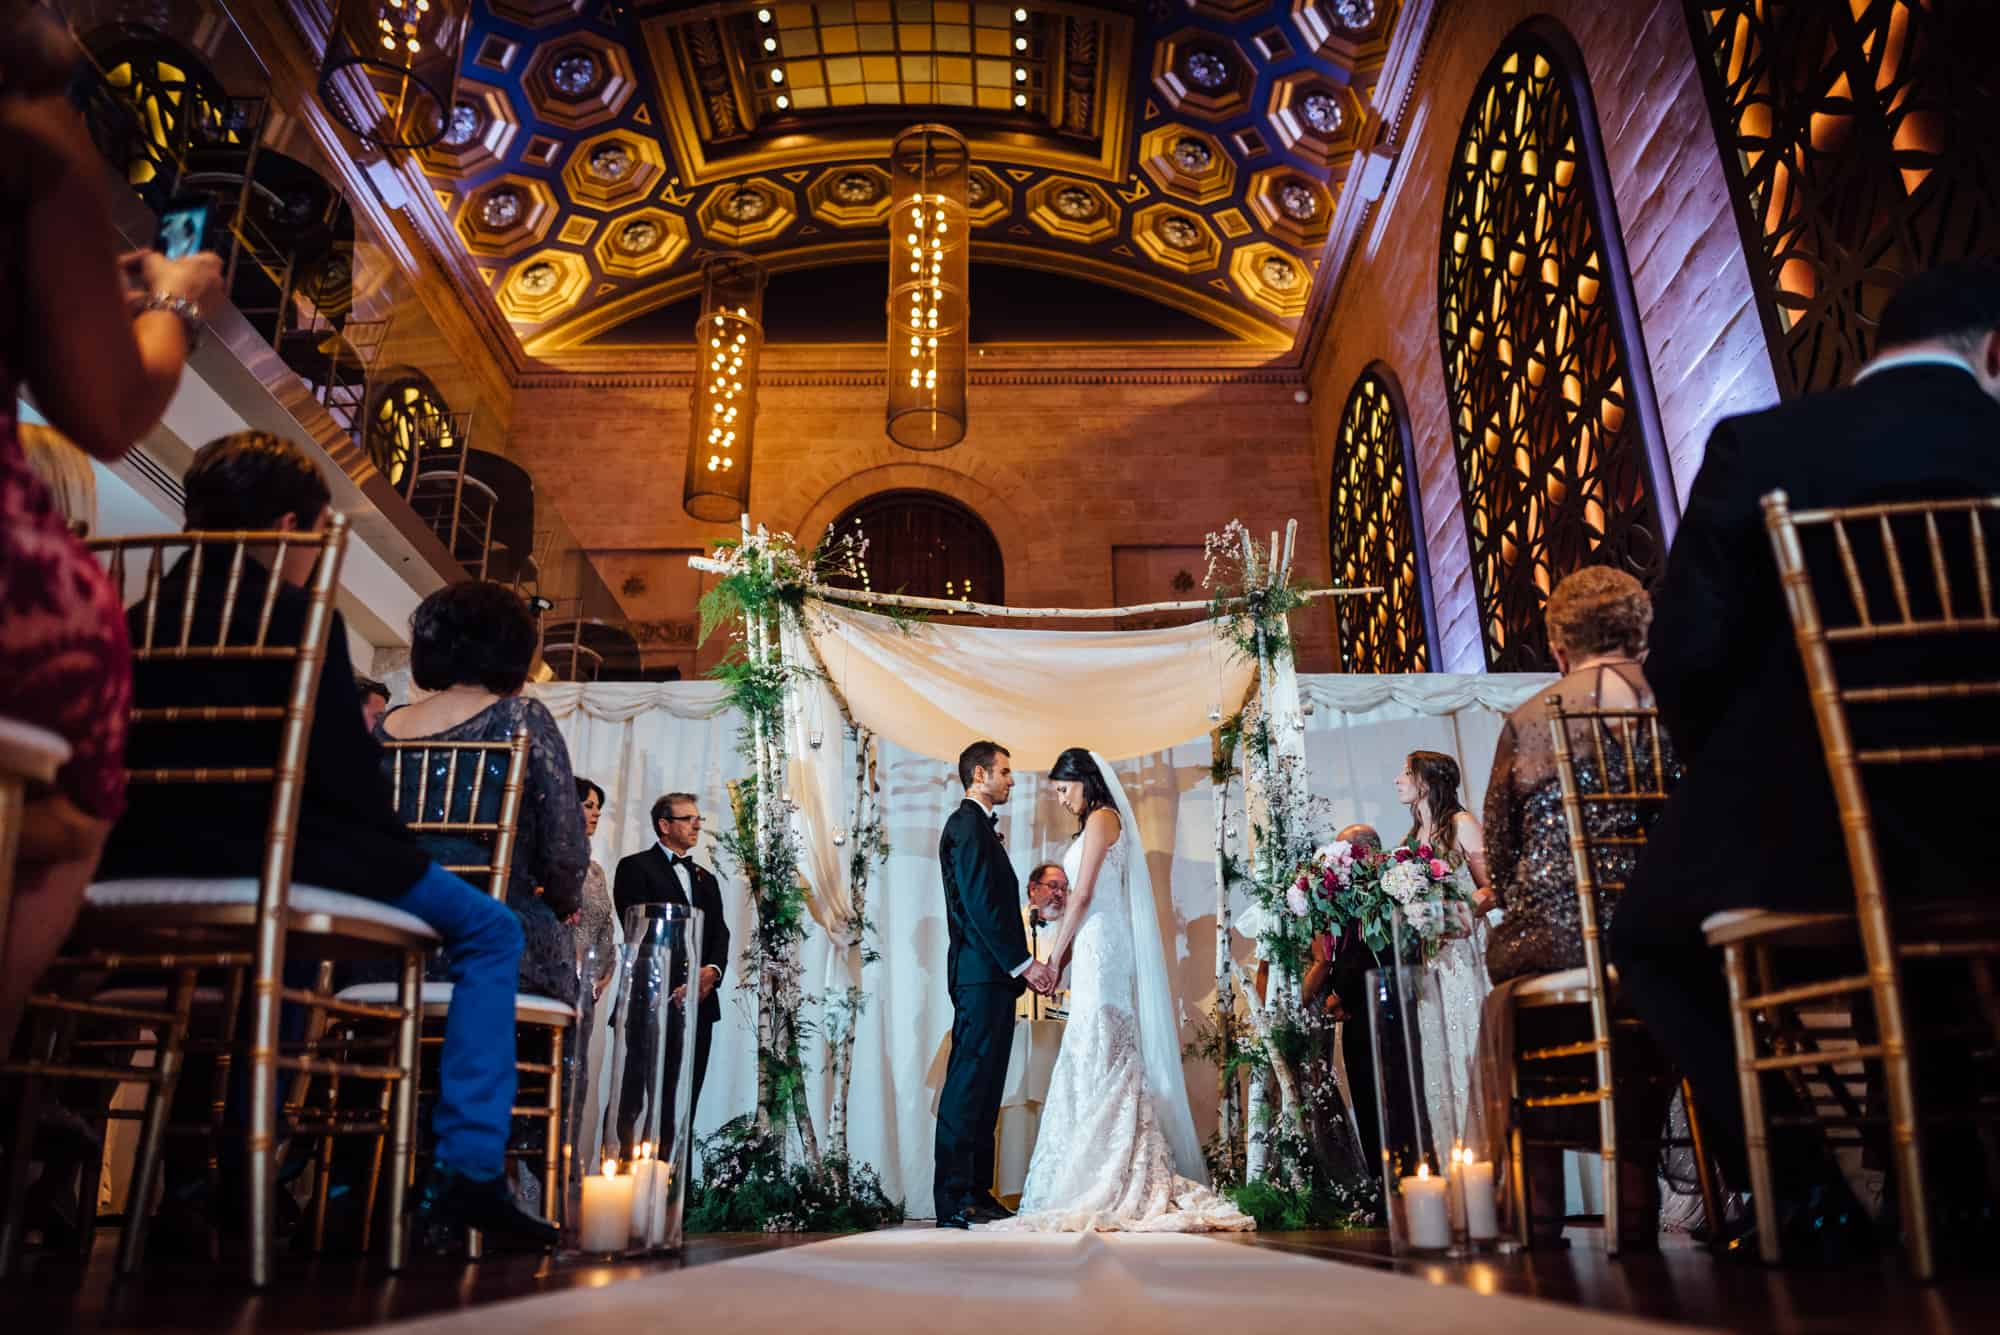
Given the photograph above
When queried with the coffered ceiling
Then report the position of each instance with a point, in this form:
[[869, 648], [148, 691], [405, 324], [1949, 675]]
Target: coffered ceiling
[[1189, 153]]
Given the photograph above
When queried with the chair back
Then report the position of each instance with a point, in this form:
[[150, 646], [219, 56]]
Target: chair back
[[211, 621], [1917, 576], [1628, 770], [441, 787]]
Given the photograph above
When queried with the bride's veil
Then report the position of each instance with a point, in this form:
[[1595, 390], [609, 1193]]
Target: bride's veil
[[1153, 996]]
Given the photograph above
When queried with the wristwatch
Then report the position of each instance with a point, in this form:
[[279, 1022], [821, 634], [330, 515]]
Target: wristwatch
[[189, 313]]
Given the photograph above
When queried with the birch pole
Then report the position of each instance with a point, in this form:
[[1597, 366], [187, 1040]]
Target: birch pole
[[1225, 985], [768, 1037], [1256, 1142]]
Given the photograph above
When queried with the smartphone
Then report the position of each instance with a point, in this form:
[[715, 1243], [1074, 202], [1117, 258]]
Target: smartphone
[[183, 223]]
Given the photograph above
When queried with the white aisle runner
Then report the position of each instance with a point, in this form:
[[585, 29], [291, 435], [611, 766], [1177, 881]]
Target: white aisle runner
[[927, 1280]]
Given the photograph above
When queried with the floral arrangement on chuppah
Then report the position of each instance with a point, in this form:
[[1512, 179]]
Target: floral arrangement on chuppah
[[1380, 895]]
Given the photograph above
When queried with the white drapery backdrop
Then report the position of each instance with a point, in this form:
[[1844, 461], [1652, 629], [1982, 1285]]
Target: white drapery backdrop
[[641, 740]]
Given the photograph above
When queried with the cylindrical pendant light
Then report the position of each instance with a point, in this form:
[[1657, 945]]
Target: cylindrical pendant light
[[390, 69], [928, 248], [728, 344]]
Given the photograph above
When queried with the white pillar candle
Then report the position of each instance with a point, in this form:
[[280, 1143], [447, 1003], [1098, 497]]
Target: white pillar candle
[[1482, 1214], [1426, 1209], [607, 1210], [645, 1187], [663, 1181]]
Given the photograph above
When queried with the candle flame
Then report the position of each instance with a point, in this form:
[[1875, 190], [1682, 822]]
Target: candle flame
[[645, 1149], [1423, 1170], [611, 1168]]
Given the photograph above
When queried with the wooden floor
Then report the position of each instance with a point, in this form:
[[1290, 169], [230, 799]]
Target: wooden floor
[[1681, 1284]]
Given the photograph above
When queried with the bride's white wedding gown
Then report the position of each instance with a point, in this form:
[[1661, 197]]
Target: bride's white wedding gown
[[1102, 1161]]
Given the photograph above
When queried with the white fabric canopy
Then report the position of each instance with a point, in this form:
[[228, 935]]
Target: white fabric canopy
[[936, 686]]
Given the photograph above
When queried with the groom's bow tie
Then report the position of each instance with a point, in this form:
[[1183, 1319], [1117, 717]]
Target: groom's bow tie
[[993, 819]]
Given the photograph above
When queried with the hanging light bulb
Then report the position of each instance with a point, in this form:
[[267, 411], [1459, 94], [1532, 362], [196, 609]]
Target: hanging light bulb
[[389, 71], [927, 310], [732, 306]]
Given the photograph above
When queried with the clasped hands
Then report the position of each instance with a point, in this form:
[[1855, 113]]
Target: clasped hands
[[1043, 978], [710, 976]]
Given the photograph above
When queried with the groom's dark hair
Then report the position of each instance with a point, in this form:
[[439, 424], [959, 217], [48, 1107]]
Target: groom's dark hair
[[980, 755]]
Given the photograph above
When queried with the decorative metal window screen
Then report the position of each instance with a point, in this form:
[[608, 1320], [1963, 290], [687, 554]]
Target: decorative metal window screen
[[1861, 146], [924, 544], [1373, 538], [409, 416], [1550, 402]]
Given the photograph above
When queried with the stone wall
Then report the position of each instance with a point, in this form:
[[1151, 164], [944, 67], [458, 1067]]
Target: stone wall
[[1702, 336]]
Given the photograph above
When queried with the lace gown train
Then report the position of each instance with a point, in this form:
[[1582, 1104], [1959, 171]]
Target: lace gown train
[[1102, 1162]]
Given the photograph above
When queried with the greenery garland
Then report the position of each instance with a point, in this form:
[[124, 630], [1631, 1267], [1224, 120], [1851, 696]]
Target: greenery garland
[[748, 1180]]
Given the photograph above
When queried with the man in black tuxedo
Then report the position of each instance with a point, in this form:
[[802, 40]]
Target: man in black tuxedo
[[1754, 823], [667, 873], [987, 967]]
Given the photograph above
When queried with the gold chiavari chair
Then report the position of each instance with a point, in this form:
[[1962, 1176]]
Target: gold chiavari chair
[[237, 927], [439, 787], [1873, 552], [1629, 771]]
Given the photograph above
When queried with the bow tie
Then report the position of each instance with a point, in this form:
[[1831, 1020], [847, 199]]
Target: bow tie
[[993, 819], [680, 860]]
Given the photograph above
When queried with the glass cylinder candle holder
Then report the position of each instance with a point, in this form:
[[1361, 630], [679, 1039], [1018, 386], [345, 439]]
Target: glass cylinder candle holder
[[1416, 1176], [632, 1197], [579, 1144]]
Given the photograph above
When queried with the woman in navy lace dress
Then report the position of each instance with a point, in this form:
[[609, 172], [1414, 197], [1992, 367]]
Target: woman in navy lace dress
[[471, 646]]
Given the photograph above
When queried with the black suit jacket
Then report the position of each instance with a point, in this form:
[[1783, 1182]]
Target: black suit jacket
[[982, 902], [648, 878], [349, 836], [1754, 821]]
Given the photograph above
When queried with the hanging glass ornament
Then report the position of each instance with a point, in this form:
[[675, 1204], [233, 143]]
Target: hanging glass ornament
[[816, 741], [839, 838]]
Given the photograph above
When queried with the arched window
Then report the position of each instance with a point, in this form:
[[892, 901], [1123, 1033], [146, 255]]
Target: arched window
[[1859, 149], [405, 415], [1376, 535], [154, 103], [1552, 413], [924, 544]]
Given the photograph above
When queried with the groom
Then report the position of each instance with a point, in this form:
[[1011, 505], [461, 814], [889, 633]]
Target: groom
[[988, 965]]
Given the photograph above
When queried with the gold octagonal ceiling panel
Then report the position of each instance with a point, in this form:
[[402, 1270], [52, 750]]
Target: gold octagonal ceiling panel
[[613, 169], [543, 286], [1203, 74], [1176, 238], [850, 196], [1073, 210], [1316, 117], [578, 80], [506, 216], [1273, 279], [641, 243], [1353, 33], [1292, 206], [988, 199], [745, 213], [477, 133], [1188, 162]]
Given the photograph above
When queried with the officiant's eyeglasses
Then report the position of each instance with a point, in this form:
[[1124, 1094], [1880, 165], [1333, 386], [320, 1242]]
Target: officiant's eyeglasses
[[696, 818]]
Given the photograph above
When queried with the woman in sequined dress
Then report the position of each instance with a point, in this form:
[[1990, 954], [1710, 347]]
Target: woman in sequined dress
[[594, 934], [1428, 786], [1597, 620]]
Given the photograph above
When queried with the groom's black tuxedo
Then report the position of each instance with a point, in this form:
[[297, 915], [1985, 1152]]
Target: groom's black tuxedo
[[982, 902]]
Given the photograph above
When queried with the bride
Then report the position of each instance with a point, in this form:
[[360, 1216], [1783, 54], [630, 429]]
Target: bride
[[1117, 1149]]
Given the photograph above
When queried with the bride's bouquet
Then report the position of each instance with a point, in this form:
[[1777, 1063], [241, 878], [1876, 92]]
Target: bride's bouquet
[[1344, 887]]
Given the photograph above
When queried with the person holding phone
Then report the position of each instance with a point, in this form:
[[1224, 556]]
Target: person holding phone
[[99, 341]]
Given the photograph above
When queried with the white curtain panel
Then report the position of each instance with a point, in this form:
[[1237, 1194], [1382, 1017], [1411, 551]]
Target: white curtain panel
[[639, 741]]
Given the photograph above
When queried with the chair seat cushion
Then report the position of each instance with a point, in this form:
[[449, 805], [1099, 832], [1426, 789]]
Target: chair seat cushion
[[1551, 988], [1743, 924], [158, 892], [436, 998]]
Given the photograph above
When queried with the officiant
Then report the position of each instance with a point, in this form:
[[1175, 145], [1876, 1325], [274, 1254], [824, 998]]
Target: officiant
[[667, 873]]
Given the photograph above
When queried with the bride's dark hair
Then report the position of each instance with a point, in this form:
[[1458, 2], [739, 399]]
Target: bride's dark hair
[[1076, 766]]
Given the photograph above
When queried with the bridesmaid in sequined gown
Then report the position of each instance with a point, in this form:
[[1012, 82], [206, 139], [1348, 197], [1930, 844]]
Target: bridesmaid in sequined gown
[[1597, 620], [1429, 786]]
